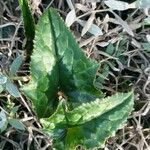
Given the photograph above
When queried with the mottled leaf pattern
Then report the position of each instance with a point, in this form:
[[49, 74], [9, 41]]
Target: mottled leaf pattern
[[80, 116], [57, 64], [86, 128]]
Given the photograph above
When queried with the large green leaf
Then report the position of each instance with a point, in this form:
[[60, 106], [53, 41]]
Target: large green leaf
[[89, 111], [44, 84], [79, 117], [57, 64], [85, 112], [93, 128]]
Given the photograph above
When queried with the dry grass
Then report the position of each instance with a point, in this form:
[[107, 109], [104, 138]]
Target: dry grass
[[128, 62]]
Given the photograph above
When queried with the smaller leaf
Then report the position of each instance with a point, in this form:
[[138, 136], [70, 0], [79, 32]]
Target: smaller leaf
[[3, 79], [94, 29], [118, 5], [16, 124], [27, 19], [142, 4], [146, 21], [110, 49], [3, 121], [146, 46], [16, 65], [12, 89], [29, 25], [88, 24], [102, 77], [71, 17], [70, 4]]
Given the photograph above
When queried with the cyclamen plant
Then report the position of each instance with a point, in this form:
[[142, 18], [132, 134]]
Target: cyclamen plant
[[82, 116]]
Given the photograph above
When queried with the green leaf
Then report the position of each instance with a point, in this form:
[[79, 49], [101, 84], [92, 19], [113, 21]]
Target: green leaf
[[117, 5], [84, 112], [3, 79], [3, 121], [78, 116], [113, 112], [58, 117], [146, 46], [57, 64], [14, 67], [12, 89], [89, 111], [142, 4], [16, 124], [110, 49], [29, 25], [146, 21], [27, 19], [74, 66], [102, 77]]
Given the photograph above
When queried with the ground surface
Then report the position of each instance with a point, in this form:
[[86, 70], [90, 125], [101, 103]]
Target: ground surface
[[124, 49]]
